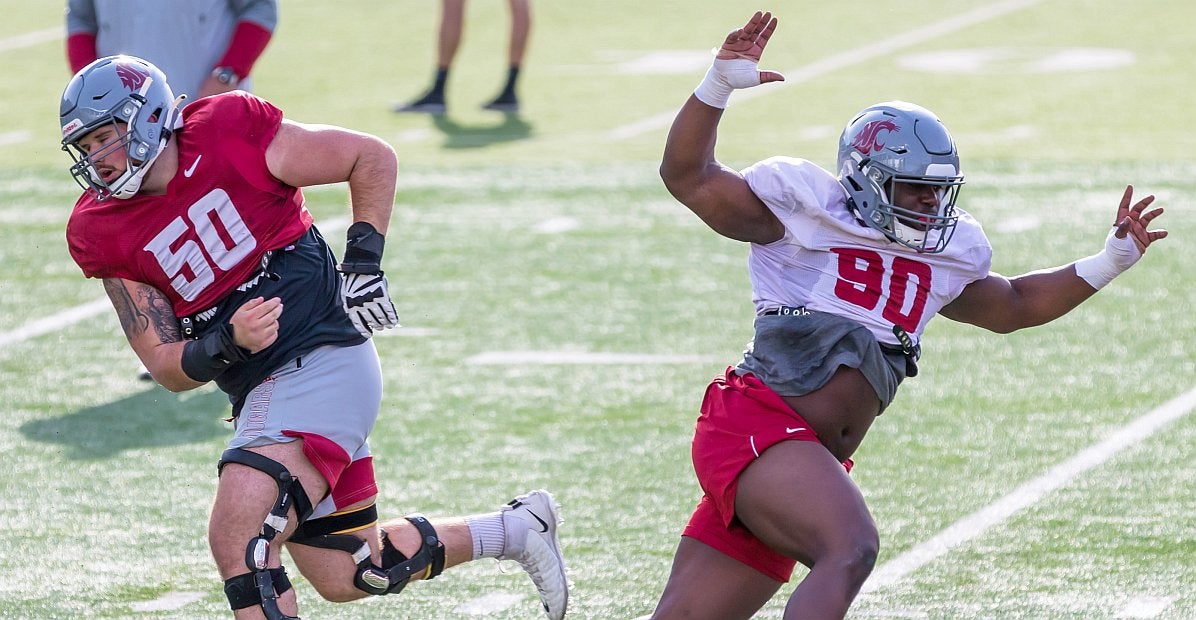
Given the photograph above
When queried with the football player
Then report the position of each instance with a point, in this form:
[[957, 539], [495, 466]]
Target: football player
[[847, 268], [195, 220]]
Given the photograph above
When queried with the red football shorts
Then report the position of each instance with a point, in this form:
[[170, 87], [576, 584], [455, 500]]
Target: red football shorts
[[740, 419], [349, 480]]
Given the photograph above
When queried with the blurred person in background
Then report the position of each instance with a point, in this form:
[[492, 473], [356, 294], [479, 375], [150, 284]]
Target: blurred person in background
[[452, 21], [204, 47]]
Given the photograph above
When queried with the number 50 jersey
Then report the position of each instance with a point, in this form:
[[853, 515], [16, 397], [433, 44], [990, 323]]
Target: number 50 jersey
[[221, 212], [830, 262]]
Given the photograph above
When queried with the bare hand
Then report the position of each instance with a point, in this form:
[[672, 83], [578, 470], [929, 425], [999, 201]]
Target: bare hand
[[1134, 220], [748, 43], [255, 323]]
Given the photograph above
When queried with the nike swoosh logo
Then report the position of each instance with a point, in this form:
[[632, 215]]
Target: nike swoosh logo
[[794, 430], [542, 523], [187, 173]]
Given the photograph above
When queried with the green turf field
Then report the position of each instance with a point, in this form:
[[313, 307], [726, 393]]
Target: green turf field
[[552, 233]]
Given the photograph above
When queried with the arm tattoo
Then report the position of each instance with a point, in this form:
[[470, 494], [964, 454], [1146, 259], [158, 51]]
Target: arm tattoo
[[132, 320], [154, 310], [161, 314]]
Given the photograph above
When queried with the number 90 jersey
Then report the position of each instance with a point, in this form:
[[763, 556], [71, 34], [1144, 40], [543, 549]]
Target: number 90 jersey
[[221, 212], [830, 262]]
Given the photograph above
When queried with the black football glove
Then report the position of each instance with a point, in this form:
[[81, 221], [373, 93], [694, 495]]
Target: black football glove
[[364, 293]]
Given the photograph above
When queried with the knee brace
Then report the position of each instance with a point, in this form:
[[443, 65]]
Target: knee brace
[[242, 591], [397, 569], [262, 585]]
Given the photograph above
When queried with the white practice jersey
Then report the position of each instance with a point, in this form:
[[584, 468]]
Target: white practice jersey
[[830, 262]]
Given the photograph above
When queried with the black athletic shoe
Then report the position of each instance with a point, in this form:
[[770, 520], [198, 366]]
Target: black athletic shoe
[[430, 103], [504, 103]]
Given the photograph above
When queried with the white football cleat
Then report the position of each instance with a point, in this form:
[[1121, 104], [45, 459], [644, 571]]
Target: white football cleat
[[530, 522]]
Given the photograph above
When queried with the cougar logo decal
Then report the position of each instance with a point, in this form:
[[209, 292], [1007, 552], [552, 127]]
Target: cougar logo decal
[[869, 138], [131, 77]]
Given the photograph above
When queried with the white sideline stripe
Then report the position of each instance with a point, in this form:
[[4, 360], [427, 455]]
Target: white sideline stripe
[[30, 39], [55, 322], [70, 316], [841, 60], [1029, 493]]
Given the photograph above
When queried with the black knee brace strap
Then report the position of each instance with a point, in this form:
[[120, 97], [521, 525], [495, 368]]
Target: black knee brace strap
[[242, 590], [257, 552], [396, 570], [429, 558]]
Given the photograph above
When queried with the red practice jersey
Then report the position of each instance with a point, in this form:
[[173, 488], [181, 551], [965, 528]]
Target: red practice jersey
[[221, 212]]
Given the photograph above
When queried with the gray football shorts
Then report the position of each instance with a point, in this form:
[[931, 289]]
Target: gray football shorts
[[329, 397]]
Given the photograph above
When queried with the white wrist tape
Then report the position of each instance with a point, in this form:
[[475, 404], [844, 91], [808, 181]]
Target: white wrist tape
[[1100, 269], [725, 76]]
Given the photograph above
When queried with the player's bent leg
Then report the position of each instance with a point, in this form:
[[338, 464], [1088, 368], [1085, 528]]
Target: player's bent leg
[[245, 537], [347, 556], [708, 584], [331, 570], [524, 530], [799, 501], [413, 548]]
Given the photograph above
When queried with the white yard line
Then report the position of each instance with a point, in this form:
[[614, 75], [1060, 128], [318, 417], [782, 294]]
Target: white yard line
[[1145, 606], [1029, 493], [582, 358], [54, 322], [489, 604], [842, 60], [168, 602], [70, 316], [29, 39]]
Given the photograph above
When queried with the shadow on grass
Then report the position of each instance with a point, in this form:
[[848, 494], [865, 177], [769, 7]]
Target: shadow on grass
[[459, 136], [153, 418]]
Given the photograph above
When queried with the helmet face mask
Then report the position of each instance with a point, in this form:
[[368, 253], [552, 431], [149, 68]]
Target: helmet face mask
[[132, 96], [901, 143], [85, 170]]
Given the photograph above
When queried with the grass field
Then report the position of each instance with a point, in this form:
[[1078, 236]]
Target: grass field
[[551, 233]]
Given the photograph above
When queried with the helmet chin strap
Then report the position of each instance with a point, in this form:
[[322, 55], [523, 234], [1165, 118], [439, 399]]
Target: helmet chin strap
[[132, 184], [909, 234]]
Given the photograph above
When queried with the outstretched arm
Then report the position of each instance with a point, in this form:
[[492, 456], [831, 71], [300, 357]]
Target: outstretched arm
[[1007, 304], [715, 193]]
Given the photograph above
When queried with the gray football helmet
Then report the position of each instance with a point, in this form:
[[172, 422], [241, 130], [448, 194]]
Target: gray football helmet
[[131, 95], [895, 142]]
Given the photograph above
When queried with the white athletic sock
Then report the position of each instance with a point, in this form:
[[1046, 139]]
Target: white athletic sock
[[489, 535]]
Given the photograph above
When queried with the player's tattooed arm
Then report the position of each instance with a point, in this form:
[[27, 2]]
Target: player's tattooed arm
[[143, 309], [147, 317]]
